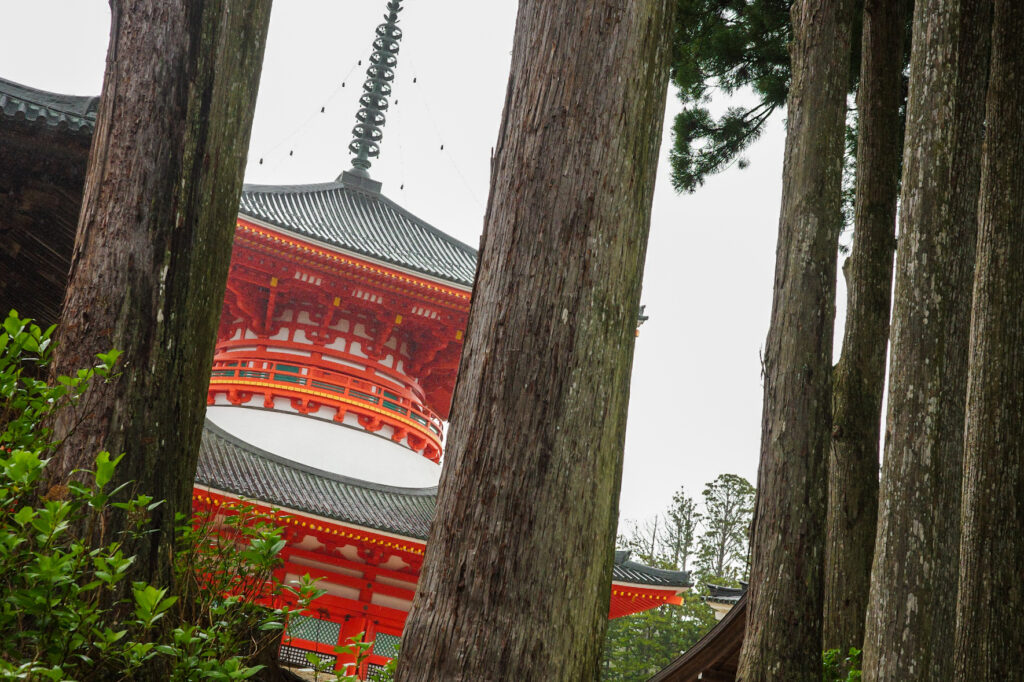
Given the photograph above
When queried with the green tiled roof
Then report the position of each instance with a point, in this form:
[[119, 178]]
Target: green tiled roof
[[720, 594], [627, 571], [49, 109], [352, 214]]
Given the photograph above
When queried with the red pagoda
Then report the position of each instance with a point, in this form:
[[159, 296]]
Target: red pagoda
[[336, 361]]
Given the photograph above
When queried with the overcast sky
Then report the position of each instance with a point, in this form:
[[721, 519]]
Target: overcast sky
[[695, 407]]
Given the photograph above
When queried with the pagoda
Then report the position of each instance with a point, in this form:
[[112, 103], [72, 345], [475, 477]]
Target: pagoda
[[336, 359]]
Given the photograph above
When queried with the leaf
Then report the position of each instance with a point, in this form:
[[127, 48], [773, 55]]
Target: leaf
[[24, 515], [105, 467]]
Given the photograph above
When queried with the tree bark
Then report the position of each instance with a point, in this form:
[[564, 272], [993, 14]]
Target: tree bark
[[859, 376], [989, 639], [784, 623], [912, 604], [516, 580], [153, 245]]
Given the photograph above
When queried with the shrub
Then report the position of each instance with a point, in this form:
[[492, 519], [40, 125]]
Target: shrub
[[838, 668], [67, 613]]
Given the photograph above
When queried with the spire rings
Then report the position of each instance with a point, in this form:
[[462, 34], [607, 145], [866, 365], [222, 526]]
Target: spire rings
[[370, 119]]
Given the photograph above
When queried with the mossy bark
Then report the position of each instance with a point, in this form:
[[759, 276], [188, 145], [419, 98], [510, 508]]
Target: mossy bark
[[859, 376], [153, 246], [784, 612], [989, 639], [516, 579], [912, 603]]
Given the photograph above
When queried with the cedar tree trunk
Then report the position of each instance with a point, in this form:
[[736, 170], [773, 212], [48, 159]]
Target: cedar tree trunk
[[859, 376], [912, 604], [153, 245], [516, 580], [989, 637], [784, 617]]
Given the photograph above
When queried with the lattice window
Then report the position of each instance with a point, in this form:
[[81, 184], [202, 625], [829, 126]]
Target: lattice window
[[386, 645], [376, 673], [293, 655], [314, 630]]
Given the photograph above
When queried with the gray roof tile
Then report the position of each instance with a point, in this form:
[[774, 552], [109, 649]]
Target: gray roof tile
[[61, 112], [632, 572], [720, 594], [353, 215], [229, 464]]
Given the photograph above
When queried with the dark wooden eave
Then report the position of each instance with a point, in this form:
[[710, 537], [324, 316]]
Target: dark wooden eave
[[716, 656], [44, 148]]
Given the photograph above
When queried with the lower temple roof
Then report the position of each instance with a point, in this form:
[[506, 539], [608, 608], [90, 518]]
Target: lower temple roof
[[231, 465]]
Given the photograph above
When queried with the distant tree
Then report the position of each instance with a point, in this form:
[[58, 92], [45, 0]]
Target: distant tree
[[723, 547], [918, 538], [788, 539], [153, 244], [645, 541], [680, 534], [639, 645], [517, 576], [989, 636]]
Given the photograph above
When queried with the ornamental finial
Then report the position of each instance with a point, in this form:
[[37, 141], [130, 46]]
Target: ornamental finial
[[367, 133]]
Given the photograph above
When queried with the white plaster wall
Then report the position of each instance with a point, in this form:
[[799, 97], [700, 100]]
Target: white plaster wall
[[327, 446], [329, 587]]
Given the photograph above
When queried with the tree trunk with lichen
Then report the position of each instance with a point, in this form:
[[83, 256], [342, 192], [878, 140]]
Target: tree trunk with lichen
[[859, 376], [516, 580], [912, 604], [153, 245], [989, 639], [784, 611]]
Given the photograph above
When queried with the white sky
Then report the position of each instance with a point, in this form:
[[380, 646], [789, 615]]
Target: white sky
[[695, 409]]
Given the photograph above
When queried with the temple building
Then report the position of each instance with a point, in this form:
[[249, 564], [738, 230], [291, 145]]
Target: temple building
[[336, 359], [722, 599]]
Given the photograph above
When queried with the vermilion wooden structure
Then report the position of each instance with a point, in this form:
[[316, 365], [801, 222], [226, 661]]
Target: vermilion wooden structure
[[336, 361], [310, 330]]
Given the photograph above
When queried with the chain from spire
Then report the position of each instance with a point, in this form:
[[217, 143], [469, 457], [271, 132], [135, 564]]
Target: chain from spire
[[368, 131]]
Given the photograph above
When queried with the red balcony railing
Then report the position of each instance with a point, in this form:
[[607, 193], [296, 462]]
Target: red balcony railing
[[325, 386]]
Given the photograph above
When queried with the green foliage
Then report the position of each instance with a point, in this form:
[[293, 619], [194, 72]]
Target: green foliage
[[838, 668], [723, 549], [641, 644], [67, 612], [26, 400], [724, 46], [681, 524], [356, 648]]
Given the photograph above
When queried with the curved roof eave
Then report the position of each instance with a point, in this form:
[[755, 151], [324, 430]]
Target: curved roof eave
[[364, 223]]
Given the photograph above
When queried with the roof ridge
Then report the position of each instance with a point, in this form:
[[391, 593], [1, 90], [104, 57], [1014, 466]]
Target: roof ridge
[[83, 107], [286, 189], [363, 222], [336, 185], [663, 573]]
